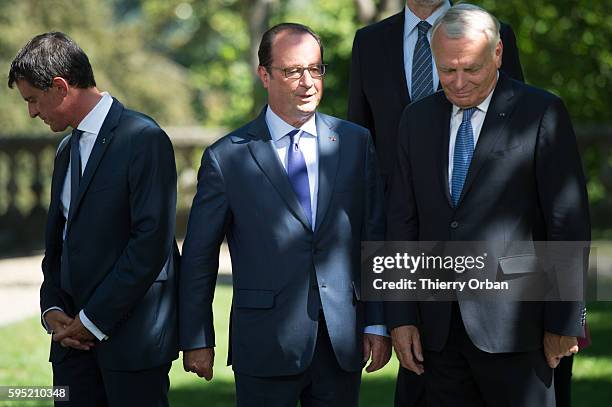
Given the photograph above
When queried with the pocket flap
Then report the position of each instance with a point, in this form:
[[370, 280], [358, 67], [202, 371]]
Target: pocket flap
[[519, 264], [254, 299]]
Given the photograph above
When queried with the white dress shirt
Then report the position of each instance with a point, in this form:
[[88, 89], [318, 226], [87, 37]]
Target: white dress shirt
[[411, 35], [477, 120], [90, 125], [307, 141]]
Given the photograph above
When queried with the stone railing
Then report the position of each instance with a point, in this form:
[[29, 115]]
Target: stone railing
[[26, 164]]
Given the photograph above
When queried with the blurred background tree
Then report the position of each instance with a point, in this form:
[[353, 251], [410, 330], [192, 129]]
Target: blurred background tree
[[194, 61]]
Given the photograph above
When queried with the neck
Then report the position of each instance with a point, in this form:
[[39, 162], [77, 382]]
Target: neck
[[85, 101], [296, 122], [422, 11]]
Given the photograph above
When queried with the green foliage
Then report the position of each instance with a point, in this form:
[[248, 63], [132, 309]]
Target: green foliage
[[123, 63], [565, 47]]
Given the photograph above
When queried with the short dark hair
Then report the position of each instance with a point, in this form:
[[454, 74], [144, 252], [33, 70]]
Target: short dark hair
[[265, 46], [50, 55]]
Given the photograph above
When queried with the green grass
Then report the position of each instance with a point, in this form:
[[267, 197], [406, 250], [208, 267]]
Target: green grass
[[24, 352]]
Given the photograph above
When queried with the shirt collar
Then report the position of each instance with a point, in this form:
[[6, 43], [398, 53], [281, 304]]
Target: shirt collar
[[483, 106], [279, 128], [411, 20], [92, 123]]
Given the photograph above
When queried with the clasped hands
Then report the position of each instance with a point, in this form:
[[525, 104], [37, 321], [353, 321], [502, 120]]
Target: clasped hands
[[407, 344], [375, 348], [69, 332]]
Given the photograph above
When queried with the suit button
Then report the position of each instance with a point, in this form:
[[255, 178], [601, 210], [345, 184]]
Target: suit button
[[454, 224]]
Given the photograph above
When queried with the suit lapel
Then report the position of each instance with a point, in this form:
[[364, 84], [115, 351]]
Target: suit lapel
[[395, 51], [329, 155], [101, 144], [492, 129], [442, 127], [265, 155]]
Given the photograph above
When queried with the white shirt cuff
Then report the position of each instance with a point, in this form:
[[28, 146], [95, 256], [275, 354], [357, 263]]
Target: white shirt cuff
[[42, 318], [91, 327], [380, 330]]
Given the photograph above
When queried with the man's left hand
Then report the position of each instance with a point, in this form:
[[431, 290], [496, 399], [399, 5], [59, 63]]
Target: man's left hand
[[558, 346], [378, 348], [76, 330]]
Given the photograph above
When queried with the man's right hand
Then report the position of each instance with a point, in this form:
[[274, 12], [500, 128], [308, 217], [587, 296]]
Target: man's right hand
[[200, 361], [58, 321], [407, 345]]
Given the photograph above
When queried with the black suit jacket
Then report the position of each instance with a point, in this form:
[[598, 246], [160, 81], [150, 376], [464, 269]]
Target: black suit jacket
[[378, 91], [118, 237], [525, 183]]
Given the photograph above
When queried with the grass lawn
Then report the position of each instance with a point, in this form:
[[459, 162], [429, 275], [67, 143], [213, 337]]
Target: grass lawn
[[24, 351]]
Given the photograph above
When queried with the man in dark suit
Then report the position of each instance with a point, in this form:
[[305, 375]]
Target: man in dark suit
[[109, 290], [392, 67], [294, 192], [488, 170]]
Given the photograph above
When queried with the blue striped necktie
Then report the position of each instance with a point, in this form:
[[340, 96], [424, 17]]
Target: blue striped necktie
[[298, 174], [464, 149], [422, 74]]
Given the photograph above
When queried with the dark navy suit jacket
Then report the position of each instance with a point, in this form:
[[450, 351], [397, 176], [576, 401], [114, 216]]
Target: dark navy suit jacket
[[119, 236], [280, 265]]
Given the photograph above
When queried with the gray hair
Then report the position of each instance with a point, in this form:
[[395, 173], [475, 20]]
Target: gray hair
[[466, 20]]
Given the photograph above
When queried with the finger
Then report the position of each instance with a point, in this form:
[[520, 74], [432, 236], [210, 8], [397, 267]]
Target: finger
[[416, 348], [208, 373], [72, 343], [553, 362], [367, 348], [375, 364]]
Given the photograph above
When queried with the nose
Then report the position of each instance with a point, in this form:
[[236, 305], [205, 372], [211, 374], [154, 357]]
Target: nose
[[306, 80], [460, 79], [32, 110]]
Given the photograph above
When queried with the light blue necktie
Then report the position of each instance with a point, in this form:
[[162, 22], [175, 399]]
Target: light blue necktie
[[298, 174], [464, 149], [422, 74]]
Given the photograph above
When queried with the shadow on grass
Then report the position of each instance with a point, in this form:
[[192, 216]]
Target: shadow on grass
[[217, 393], [591, 392], [374, 392]]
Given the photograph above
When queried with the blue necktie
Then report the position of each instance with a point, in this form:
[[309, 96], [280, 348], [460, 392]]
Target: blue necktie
[[464, 149], [422, 74], [75, 179], [298, 174]]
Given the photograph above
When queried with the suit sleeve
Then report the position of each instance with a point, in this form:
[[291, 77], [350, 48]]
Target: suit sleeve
[[206, 229], [359, 110], [402, 220], [511, 63], [563, 199], [152, 199], [374, 225]]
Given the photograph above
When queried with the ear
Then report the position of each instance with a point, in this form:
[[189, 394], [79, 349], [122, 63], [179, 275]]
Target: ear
[[499, 49], [264, 76], [61, 85]]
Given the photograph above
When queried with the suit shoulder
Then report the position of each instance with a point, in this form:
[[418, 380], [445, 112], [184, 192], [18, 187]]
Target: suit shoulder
[[237, 136], [343, 126], [379, 29], [137, 119], [533, 94]]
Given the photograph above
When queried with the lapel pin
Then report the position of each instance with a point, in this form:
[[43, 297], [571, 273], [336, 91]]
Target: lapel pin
[[103, 140], [502, 114], [332, 138]]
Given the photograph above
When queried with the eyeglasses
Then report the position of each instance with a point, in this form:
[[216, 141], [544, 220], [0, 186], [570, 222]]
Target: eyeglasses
[[296, 72]]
